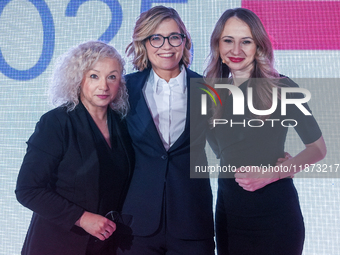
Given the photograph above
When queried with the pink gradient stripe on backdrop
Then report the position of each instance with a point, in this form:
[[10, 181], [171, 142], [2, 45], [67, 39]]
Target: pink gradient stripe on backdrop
[[299, 25]]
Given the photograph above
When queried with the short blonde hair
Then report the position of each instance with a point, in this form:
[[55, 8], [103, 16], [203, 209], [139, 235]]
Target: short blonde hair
[[70, 70], [145, 25]]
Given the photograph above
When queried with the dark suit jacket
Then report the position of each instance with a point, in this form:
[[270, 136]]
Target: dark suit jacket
[[161, 183], [58, 180]]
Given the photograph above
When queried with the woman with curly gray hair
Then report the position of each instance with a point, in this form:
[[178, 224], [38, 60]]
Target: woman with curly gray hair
[[69, 73], [75, 174]]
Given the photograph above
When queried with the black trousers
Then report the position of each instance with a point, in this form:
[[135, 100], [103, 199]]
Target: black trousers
[[163, 243]]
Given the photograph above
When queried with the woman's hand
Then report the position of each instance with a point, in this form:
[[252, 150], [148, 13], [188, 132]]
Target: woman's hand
[[259, 178], [96, 225], [281, 160], [255, 178]]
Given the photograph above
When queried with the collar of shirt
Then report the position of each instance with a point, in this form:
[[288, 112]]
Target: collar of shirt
[[179, 80]]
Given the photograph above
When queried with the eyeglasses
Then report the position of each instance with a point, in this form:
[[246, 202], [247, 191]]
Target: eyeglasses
[[174, 40]]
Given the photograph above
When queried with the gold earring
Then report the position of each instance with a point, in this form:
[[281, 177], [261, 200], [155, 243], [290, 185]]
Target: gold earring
[[223, 61]]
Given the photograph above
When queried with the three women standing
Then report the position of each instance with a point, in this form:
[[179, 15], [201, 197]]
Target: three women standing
[[78, 162]]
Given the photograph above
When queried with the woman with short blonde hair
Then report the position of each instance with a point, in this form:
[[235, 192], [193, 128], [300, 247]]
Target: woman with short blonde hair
[[145, 25], [165, 215]]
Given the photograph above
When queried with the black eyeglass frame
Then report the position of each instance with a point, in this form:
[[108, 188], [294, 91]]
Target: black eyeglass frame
[[183, 36]]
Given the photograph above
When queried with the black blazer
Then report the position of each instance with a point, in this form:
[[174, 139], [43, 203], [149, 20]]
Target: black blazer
[[58, 180], [161, 179]]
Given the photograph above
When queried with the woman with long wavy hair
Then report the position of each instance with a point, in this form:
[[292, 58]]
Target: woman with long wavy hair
[[257, 211]]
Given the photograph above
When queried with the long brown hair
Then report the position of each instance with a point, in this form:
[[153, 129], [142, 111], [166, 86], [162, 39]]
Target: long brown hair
[[264, 56]]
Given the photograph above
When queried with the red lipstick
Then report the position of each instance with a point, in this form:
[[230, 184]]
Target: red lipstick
[[236, 60]]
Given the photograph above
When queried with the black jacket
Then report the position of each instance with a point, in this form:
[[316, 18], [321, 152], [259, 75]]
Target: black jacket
[[58, 180], [161, 178]]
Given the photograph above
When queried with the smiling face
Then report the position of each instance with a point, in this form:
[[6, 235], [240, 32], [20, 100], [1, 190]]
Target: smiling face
[[100, 84], [237, 47], [165, 60]]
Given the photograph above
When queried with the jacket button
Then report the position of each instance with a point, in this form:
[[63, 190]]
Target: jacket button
[[164, 157]]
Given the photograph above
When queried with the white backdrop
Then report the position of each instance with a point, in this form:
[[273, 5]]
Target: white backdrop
[[34, 33]]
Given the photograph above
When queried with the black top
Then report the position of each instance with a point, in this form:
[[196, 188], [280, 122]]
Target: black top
[[59, 176], [113, 167], [242, 145]]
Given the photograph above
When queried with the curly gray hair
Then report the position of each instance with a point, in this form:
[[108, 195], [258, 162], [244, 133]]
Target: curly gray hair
[[70, 70]]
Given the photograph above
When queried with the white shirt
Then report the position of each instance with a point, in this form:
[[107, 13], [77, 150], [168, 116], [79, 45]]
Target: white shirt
[[167, 102]]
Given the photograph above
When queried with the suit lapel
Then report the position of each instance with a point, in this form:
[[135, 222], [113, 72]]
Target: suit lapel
[[140, 111], [89, 171], [140, 114]]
